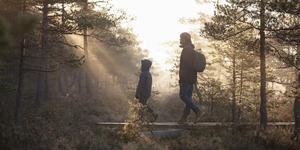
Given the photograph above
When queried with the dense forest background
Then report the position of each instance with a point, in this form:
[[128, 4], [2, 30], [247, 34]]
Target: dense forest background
[[67, 64]]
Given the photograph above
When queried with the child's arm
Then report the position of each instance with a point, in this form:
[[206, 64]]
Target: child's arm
[[140, 85]]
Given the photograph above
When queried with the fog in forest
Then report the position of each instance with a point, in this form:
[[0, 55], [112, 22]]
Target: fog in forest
[[69, 72], [120, 70]]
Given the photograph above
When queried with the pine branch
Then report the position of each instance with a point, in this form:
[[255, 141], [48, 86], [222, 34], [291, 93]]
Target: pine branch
[[38, 70]]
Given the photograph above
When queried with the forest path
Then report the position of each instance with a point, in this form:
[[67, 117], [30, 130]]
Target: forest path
[[175, 125]]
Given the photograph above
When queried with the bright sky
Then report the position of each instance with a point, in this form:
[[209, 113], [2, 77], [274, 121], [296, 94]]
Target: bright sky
[[157, 21]]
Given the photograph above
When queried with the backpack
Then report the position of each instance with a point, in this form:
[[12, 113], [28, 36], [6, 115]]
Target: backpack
[[199, 61]]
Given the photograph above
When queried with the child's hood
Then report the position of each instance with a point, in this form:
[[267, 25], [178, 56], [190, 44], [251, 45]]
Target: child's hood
[[146, 64]]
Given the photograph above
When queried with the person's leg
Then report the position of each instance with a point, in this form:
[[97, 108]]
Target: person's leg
[[186, 91], [186, 111], [190, 92], [143, 100], [189, 95]]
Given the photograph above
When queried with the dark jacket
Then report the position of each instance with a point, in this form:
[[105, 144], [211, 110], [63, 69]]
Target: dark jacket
[[186, 72], [145, 81]]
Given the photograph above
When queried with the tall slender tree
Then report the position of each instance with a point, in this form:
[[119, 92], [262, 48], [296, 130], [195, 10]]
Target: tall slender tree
[[43, 65], [85, 39], [237, 17], [51, 33], [288, 33], [21, 75], [240, 63]]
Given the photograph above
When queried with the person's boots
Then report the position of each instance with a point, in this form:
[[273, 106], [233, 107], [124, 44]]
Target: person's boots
[[183, 120], [199, 114]]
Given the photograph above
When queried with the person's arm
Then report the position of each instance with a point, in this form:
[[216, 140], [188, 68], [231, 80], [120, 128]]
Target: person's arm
[[142, 81], [185, 63]]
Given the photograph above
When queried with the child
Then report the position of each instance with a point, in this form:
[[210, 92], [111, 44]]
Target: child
[[143, 91]]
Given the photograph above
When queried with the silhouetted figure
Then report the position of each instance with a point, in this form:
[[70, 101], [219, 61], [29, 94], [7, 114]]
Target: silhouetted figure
[[143, 91], [187, 77]]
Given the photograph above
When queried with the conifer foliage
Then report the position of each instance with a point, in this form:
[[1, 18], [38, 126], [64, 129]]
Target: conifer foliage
[[266, 20]]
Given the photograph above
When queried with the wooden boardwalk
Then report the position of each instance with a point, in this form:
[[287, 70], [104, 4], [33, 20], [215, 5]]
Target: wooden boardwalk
[[175, 125]]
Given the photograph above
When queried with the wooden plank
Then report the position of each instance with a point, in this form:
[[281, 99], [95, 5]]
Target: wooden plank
[[175, 125], [172, 133]]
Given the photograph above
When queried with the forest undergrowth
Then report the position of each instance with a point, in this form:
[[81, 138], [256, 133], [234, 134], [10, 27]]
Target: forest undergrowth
[[66, 122]]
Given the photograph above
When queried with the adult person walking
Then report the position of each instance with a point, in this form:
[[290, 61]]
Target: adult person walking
[[187, 77]]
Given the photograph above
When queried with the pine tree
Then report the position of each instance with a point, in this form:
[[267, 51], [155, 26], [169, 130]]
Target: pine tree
[[104, 29], [240, 63], [288, 34], [238, 17]]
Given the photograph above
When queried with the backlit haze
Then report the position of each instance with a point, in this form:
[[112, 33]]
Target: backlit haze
[[157, 22]]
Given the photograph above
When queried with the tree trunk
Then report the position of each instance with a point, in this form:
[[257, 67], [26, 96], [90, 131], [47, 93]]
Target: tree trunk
[[21, 77], [212, 102], [1, 98], [60, 81], [46, 77], [80, 78], [233, 90], [20, 84], [87, 77], [263, 101], [60, 73], [297, 107], [1, 92], [241, 90], [86, 66], [41, 78], [297, 99]]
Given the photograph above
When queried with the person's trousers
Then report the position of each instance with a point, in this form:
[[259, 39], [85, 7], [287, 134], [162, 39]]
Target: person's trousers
[[143, 100], [186, 91]]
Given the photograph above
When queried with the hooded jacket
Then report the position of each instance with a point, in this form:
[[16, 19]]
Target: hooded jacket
[[186, 72], [145, 80]]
